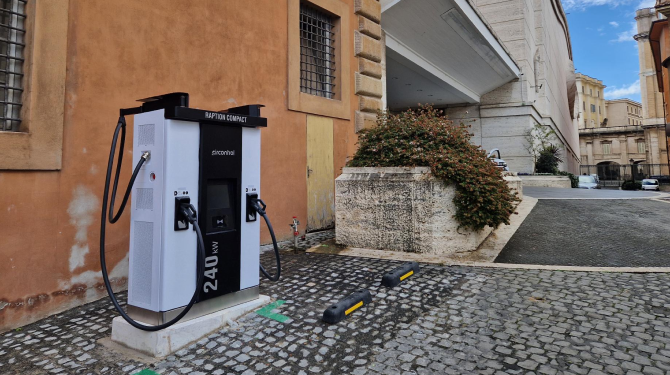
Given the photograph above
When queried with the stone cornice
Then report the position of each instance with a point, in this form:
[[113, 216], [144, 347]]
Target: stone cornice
[[641, 36]]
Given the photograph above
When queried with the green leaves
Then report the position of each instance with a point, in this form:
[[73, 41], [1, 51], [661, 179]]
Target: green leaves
[[425, 137]]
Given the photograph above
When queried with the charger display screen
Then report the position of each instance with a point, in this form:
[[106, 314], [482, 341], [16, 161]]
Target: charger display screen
[[220, 205], [218, 196]]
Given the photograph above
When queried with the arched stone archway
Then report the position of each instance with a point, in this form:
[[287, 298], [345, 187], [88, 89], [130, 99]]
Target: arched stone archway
[[609, 170]]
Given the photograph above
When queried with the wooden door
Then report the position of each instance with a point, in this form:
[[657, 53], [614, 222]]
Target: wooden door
[[320, 175]]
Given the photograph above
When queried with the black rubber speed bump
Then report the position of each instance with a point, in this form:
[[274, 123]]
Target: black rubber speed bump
[[337, 312], [395, 277]]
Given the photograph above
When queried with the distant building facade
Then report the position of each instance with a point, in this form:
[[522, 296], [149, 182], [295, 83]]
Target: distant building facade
[[619, 137], [591, 100], [622, 112], [630, 132]]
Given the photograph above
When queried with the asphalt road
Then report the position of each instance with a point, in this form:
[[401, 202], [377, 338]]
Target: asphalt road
[[593, 232], [558, 193]]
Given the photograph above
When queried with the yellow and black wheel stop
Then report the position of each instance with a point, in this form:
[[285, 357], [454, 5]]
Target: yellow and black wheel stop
[[337, 312], [398, 275]]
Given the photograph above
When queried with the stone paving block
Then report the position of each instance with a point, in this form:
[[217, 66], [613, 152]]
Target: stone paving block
[[447, 320]]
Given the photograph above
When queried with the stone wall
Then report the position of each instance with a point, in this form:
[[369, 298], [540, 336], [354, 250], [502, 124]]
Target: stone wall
[[369, 48], [536, 35], [547, 181], [399, 209]]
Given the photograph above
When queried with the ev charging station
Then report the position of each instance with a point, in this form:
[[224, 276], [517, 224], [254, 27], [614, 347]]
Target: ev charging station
[[195, 210]]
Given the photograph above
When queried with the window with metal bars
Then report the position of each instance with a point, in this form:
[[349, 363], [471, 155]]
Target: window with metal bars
[[317, 52], [12, 44]]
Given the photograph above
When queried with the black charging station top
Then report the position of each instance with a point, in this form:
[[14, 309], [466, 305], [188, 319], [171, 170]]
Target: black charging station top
[[176, 106]]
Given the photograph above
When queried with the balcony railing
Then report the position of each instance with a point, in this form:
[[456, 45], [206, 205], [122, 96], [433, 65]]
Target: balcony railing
[[613, 129]]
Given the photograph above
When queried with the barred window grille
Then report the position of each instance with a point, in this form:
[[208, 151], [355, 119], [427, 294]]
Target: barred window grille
[[12, 44], [317, 52]]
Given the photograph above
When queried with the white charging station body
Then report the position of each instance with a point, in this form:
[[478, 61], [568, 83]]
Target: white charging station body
[[213, 159]]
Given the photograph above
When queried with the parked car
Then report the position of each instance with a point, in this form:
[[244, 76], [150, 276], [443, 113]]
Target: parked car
[[661, 179], [498, 161], [588, 182], [650, 184]]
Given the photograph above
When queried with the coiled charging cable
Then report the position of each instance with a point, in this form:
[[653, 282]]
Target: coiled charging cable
[[187, 210]]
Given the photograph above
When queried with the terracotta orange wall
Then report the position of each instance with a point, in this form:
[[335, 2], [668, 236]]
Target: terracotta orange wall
[[224, 53]]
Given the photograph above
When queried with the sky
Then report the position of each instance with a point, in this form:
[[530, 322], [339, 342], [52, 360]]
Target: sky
[[603, 47]]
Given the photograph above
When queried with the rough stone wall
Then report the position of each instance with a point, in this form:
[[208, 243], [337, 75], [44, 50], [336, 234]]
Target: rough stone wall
[[399, 209], [369, 48]]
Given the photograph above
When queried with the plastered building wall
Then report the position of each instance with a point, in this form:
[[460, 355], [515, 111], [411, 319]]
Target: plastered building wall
[[225, 54], [623, 112], [536, 35], [591, 102]]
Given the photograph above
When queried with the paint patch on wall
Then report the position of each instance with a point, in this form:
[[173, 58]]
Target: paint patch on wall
[[82, 210], [92, 278], [78, 256]]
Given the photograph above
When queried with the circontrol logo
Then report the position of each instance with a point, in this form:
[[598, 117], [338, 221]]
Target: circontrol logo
[[223, 152]]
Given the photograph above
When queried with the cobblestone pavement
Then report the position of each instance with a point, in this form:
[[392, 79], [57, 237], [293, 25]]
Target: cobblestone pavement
[[444, 320], [599, 233]]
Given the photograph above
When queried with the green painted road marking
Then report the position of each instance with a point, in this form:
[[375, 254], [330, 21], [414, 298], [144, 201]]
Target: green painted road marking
[[267, 312], [146, 372]]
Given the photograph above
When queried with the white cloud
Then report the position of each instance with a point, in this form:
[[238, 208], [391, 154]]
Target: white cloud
[[623, 91], [614, 24], [627, 36], [583, 4]]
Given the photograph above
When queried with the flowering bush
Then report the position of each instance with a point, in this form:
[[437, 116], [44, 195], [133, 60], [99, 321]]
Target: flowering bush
[[425, 138]]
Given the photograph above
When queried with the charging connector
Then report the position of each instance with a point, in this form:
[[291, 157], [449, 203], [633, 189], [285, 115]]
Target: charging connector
[[181, 220], [255, 204]]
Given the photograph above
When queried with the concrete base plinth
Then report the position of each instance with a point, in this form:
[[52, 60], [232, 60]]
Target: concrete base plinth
[[167, 341]]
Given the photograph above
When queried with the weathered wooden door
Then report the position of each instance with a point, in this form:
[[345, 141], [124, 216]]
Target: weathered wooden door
[[320, 175]]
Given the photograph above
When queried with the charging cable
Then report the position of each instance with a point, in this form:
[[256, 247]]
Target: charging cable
[[185, 209], [260, 206]]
